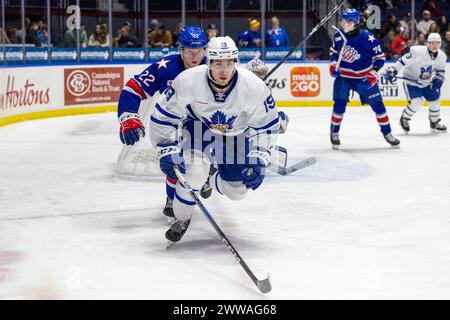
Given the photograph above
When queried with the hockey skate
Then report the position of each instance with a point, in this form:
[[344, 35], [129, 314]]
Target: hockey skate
[[206, 190], [176, 231], [393, 141], [404, 123], [335, 142], [438, 127], [168, 210]]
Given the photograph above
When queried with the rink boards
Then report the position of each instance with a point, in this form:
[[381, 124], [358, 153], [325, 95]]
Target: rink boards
[[42, 91]]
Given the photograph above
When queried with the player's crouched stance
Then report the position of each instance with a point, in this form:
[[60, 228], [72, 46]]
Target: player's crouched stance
[[362, 57], [224, 113], [418, 67]]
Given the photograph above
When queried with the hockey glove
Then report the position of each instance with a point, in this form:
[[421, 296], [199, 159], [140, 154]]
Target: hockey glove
[[333, 71], [170, 155], [391, 73], [370, 80], [438, 82], [255, 172], [131, 128], [284, 121]]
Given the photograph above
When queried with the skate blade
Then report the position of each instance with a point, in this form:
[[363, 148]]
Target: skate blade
[[437, 131], [335, 147], [395, 147]]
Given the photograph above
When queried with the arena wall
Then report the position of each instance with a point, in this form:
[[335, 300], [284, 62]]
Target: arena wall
[[42, 91]]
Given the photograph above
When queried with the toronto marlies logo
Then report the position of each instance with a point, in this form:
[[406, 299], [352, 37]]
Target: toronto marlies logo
[[350, 54], [425, 73], [219, 121]]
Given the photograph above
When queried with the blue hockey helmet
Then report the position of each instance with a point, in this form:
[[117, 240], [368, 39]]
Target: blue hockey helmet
[[192, 37], [351, 14]]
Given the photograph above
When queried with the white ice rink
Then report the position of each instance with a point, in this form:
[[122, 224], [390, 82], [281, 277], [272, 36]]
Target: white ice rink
[[366, 221]]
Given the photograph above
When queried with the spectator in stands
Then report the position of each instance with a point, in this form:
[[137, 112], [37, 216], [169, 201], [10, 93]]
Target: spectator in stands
[[433, 28], [31, 37], [409, 44], [398, 45], [42, 34], [160, 37], [126, 39], [390, 37], [435, 11], [70, 37], [21, 33], [407, 23], [251, 37], [153, 24], [421, 39], [276, 36], [425, 23], [443, 25], [445, 46], [390, 25], [100, 37], [176, 34], [4, 37], [211, 31], [12, 35]]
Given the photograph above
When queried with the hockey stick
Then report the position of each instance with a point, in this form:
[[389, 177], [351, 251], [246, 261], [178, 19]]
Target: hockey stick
[[341, 53], [321, 23], [263, 285], [296, 166]]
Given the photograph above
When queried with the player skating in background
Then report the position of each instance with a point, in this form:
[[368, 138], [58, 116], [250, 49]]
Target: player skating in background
[[362, 57], [220, 117], [419, 66], [192, 41]]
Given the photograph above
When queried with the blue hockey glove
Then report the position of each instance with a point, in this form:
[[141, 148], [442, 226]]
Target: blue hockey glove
[[131, 128], [255, 172], [169, 156], [438, 82], [391, 73], [333, 71]]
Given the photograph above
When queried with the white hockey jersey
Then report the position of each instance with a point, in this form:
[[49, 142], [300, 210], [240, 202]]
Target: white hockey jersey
[[419, 65], [247, 106]]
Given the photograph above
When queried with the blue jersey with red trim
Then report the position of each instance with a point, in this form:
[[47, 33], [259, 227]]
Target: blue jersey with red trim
[[361, 53], [156, 78]]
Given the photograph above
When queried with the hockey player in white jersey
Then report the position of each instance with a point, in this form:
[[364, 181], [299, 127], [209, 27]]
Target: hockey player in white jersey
[[223, 111], [423, 76]]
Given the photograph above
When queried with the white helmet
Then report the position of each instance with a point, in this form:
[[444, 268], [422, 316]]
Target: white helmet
[[257, 66], [221, 48], [434, 37]]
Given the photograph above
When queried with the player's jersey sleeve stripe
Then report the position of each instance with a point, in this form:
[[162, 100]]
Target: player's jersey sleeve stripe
[[164, 123], [136, 88], [270, 124], [166, 113], [379, 56]]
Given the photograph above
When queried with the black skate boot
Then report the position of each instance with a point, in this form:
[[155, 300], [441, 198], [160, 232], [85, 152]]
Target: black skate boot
[[335, 142], [394, 142], [168, 209], [206, 190], [176, 231], [438, 127], [404, 123]]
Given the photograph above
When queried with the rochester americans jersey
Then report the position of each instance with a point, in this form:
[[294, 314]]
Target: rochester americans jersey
[[361, 53], [247, 107], [419, 64], [155, 78]]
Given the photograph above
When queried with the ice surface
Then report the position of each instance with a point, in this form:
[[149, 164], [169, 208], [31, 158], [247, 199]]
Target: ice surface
[[366, 221]]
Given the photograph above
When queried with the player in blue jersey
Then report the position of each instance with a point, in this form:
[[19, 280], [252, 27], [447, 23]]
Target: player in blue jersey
[[361, 58], [156, 78]]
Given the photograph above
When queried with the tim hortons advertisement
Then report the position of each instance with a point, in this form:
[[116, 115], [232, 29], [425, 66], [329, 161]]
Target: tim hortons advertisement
[[92, 85]]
